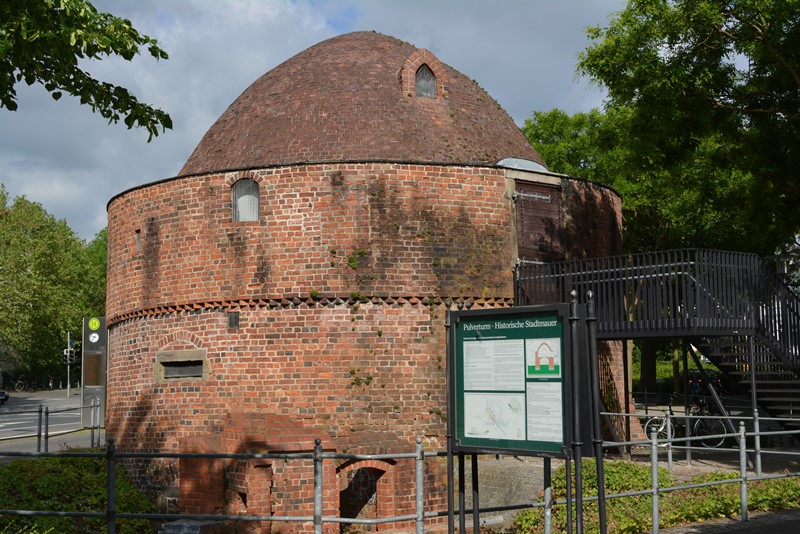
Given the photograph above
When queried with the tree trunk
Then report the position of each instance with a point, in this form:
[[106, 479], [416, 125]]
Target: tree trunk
[[647, 378]]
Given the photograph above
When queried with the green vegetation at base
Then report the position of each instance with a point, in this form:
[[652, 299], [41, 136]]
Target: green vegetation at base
[[67, 484], [634, 514]]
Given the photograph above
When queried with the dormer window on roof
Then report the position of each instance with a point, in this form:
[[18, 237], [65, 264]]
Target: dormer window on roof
[[426, 82], [423, 75]]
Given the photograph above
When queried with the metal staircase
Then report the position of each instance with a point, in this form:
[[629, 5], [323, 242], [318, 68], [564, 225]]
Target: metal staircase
[[729, 305], [777, 386]]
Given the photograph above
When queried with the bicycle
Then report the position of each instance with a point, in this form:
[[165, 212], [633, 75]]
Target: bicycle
[[665, 426], [21, 385], [662, 425], [711, 427]]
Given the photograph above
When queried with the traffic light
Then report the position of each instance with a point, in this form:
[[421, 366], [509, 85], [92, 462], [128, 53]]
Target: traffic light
[[69, 356]]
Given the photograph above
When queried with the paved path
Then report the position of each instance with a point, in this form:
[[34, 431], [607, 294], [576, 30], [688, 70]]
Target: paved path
[[784, 522]]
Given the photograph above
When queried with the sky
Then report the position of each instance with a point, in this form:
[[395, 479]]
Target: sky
[[72, 162]]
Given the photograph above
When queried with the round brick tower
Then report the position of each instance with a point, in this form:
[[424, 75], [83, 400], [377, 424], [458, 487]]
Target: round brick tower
[[292, 281]]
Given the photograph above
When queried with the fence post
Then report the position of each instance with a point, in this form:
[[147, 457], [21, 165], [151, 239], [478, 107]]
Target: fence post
[[39, 431], [688, 426], [654, 476], [597, 432], [97, 418], [548, 510], [577, 443], [420, 490], [91, 424], [670, 433], [46, 428], [111, 487], [743, 469], [317, 486], [757, 435]]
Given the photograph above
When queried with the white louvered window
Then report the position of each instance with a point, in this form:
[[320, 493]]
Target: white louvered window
[[244, 201], [426, 82]]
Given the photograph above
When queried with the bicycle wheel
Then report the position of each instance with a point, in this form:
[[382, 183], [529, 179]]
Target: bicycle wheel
[[19, 386], [657, 425], [710, 427]]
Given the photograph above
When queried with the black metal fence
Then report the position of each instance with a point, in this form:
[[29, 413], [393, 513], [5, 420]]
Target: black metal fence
[[675, 293]]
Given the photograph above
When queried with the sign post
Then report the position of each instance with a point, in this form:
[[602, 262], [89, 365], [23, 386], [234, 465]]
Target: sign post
[[93, 367]]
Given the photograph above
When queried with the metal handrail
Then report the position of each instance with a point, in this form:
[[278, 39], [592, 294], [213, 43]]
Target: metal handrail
[[683, 292]]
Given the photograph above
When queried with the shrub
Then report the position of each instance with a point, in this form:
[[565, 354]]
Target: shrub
[[634, 514], [630, 514], [67, 483]]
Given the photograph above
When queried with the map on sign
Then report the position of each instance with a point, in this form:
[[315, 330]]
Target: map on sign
[[495, 415]]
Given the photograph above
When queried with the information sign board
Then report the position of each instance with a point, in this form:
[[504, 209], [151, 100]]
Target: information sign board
[[510, 379]]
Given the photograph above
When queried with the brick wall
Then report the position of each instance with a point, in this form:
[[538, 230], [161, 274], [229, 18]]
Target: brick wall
[[593, 220], [332, 230]]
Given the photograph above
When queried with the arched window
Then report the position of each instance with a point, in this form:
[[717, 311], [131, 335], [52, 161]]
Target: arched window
[[244, 201], [426, 82]]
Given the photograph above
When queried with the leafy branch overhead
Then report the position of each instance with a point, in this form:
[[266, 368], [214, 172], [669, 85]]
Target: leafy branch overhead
[[43, 41]]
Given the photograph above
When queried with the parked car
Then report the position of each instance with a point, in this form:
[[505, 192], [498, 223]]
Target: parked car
[[3, 396]]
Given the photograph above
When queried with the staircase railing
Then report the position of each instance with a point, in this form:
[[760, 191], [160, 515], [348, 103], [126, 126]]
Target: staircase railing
[[687, 292], [778, 320]]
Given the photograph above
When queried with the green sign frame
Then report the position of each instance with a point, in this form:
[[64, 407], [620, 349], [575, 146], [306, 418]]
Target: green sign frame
[[510, 380]]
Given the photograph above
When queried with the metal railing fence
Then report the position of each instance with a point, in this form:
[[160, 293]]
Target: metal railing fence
[[43, 433], [112, 456], [669, 444]]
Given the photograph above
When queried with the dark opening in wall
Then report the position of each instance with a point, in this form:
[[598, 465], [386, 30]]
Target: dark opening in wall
[[359, 499], [233, 319], [426, 82]]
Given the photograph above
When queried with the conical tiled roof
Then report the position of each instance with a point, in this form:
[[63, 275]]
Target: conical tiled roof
[[352, 98]]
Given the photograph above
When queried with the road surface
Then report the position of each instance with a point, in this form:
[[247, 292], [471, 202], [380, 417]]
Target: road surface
[[20, 419]]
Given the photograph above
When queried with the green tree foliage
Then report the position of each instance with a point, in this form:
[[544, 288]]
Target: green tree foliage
[[94, 263], [48, 282], [42, 41], [581, 145], [665, 205], [705, 97]]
